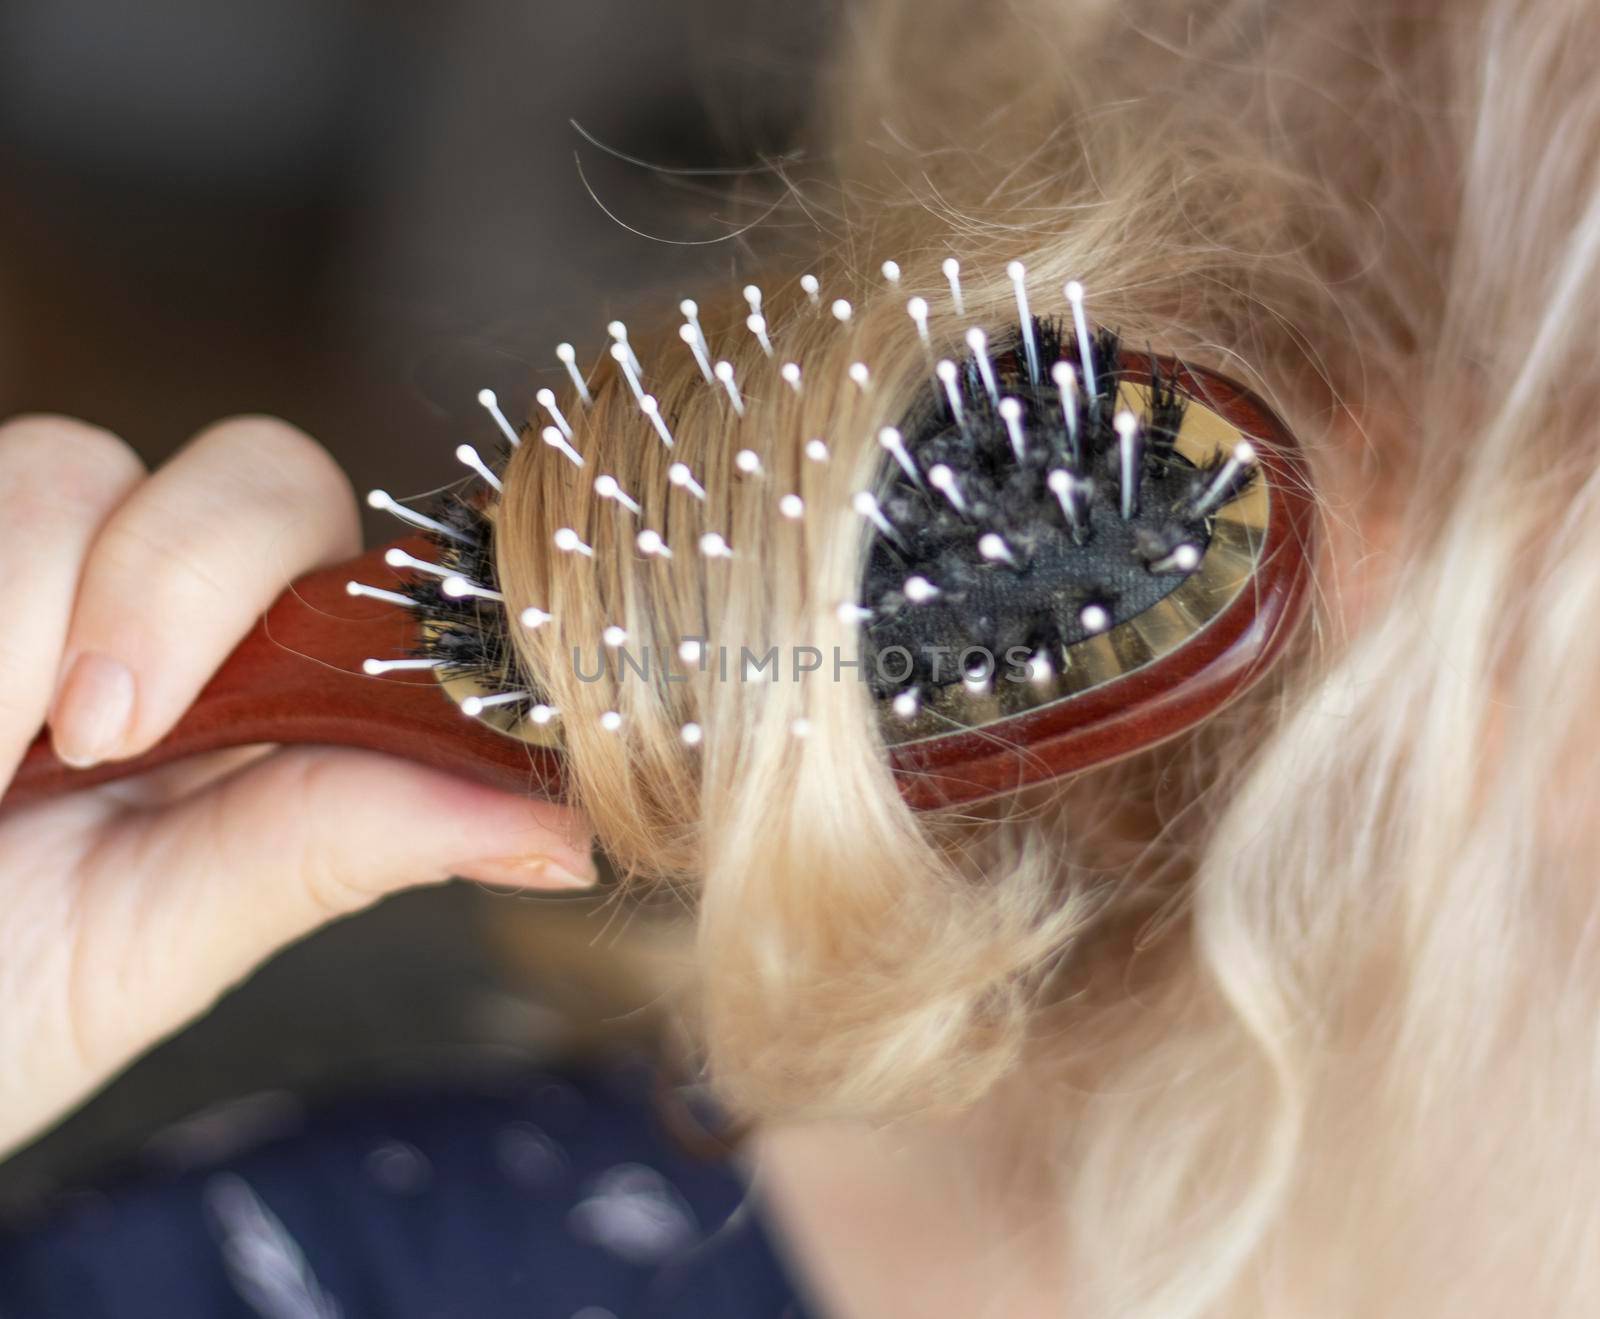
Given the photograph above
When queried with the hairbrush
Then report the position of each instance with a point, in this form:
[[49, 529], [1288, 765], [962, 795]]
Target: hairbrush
[[1076, 551]]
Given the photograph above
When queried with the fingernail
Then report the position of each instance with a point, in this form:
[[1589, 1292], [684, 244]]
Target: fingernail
[[93, 710], [531, 872]]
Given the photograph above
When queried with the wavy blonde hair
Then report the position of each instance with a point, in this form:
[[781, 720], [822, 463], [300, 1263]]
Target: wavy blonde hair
[[1299, 1015]]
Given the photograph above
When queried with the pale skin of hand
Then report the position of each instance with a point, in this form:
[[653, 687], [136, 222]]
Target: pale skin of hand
[[126, 910]]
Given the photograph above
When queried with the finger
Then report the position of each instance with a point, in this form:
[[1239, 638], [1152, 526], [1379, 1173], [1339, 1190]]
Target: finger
[[62, 479], [185, 902], [181, 572]]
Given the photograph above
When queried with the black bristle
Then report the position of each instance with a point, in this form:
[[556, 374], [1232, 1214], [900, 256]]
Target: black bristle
[[470, 635], [1036, 602]]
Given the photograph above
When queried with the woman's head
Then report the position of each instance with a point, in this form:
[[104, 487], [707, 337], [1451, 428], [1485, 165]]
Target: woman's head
[[1287, 941]]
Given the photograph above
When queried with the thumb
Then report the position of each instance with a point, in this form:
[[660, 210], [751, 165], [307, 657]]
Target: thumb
[[225, 877], [324, 830]]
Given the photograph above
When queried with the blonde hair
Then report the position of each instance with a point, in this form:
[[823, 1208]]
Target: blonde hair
[[1301, 1013]]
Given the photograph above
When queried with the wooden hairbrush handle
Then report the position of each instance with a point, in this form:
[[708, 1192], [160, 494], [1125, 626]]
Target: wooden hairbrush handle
[[297, 678]]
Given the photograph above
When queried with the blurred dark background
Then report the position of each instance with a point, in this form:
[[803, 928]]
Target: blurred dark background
[[355, 215]]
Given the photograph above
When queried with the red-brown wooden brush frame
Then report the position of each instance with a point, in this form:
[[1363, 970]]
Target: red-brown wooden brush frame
[[297, 677]]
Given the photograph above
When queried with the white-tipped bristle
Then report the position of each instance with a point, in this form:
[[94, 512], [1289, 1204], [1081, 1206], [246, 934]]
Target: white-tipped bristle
[[542, 714], [952, 273], [756, 323], [650, 543], [748, 462], [792, 507], [690, 334], [1080, 327], [491, 405], [861, 376], [384, 501], [1067, 383], [842, 310], [459, 588], [534, 617], [891, 271], [817, 451], [607, 487], [851, 612], [1011, 414], [1019, 285], [556, 440], [690, 309], [623, 356], [994, 548], [1185, 558], [476, 705], [614, 636], [398, 558], [652, 411], [1244, 453], [978, 343], [1065, 486], [1094, 619], [568, 356], [917, 309], [891, 439], [790, 371], [752, 295], [1130, 454], [800, 728], [977, 679], [907, 703], [569, 542], [378, 593], [866, 504], [942, 479], [376, 668], [812, 288], [724, 372], [714, 547], [691, 650], [680, 476], [611, 721], [547, 400], [691, 735], [949, 375], [1040, 669], [919, 590], [468, 457]]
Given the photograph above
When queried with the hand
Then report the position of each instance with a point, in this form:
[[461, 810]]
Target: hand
[[125, 910]]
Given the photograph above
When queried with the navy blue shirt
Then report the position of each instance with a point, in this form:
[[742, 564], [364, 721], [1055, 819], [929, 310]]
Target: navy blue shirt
[[554, 1198]]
